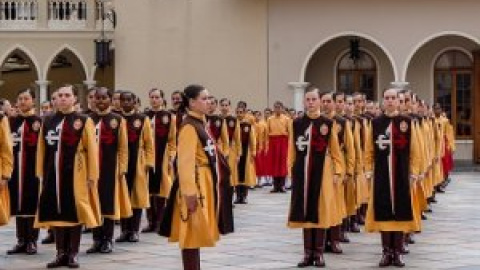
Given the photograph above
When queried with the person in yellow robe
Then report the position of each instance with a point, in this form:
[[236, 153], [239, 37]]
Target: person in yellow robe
[[111, 135], [316, 166], [233, 150], [67, 159], [347, 145], [140, 162], [359, 181], [199, 208], [246, 164], [6, 167], [260, 131], [334, 233], [392, 159], [164, 135], [278, 130]]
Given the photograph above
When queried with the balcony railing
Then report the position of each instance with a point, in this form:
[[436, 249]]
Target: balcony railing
[[19, 14], [53, 15], [67, 14]]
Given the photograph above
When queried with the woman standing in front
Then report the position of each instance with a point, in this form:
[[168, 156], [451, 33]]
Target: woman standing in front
[[198, 209]]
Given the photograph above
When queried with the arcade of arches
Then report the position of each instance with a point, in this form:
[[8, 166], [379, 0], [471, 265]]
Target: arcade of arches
[[18, 71], [444, 70]]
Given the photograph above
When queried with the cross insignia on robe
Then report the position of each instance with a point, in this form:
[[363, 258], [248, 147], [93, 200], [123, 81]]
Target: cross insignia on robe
[[383, 140], [53, 137], [17, 136], [98, 130], [210, 148], [303, 141]]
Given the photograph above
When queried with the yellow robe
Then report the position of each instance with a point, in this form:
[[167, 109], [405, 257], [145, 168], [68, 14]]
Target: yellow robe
[[139, 194], [359, 176], [169, 155], [333, 165], [250, 174], [350, 165], [371, 225], [123, 207], [85, 168], [6, 167], [199, 229], [234, 152]]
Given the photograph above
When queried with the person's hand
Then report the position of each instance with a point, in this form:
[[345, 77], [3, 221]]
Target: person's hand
[[336, 178], [3, 184], [192, 203], [90, 184]]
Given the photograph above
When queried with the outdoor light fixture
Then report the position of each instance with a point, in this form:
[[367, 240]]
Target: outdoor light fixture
[[102, 45]]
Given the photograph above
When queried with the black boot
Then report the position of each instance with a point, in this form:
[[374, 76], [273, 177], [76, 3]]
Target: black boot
[[75, 234], [21, 230], [151, 216], [281, 188], [354, 225], [62, 254], [343, 232], [319, 236], [32, 236], [124, 235], [107, 240], [50, 238], [308, 249], [135, 226], [387, 249], [191, 259], [335, 232], [160, 210], [245, 195], [97, 240], [398, 242], [238, 194]]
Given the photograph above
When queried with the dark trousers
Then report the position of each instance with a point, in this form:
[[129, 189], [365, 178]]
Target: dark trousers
[[155, 212]]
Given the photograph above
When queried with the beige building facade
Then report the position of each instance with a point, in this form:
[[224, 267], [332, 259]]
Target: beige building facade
[[261, 51]]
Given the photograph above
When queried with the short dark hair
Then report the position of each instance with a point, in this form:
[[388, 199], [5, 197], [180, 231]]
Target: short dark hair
[[27, 90]]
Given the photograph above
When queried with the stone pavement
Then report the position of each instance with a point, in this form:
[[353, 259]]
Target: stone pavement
[[450, 240]]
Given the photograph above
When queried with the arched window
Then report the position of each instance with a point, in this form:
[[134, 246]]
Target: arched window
[[357, 76], [453, 82]]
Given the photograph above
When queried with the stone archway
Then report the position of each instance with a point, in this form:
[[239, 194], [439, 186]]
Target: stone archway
[[67, 68], [435, 82], [18, 71], [323, 71]]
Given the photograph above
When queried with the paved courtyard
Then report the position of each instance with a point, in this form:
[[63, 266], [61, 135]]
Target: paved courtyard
[[450, 240]]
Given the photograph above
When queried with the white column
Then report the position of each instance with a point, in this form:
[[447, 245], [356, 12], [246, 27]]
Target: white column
[[42, 87], [298, 93], [400, 85], [90, 83]]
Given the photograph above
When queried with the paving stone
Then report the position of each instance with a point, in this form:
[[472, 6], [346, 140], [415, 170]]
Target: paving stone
[[450, 240]]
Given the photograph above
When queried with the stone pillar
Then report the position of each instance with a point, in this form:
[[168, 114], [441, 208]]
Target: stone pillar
[[400, 85], [298, 92], [90, 83], [42, 90]]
